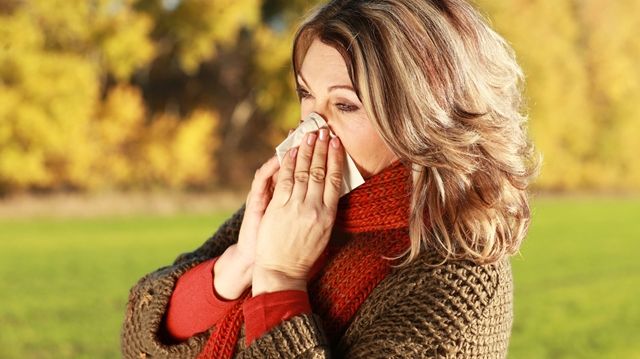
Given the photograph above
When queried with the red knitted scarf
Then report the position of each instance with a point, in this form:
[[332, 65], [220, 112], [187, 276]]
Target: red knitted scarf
[[372, 222]]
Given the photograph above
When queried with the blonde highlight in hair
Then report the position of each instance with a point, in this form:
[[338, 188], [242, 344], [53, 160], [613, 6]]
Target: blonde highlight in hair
[[446, 94]]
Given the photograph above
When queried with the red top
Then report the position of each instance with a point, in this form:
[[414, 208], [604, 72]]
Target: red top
[[195, 306]]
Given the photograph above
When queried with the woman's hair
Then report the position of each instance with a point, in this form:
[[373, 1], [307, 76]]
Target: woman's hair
[[444, 91]]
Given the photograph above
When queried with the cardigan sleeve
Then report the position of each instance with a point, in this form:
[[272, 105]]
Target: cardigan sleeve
[[267, 310], [426, 321], [143, 332]]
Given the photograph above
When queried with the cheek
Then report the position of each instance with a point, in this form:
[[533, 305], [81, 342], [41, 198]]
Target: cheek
[[359, 138], [305, 108]]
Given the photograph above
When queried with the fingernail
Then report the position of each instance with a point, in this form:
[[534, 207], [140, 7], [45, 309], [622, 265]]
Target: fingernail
[[323, 134], [335, 142], [293, 152], [311, 138]]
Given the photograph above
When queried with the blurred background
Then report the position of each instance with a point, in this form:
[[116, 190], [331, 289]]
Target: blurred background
[[130, 129]]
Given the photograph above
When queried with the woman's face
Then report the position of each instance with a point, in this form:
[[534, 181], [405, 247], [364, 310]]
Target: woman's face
[[324, 87]]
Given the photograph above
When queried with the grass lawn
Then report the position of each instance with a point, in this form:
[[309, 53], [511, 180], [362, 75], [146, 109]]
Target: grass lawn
[[64, 283]]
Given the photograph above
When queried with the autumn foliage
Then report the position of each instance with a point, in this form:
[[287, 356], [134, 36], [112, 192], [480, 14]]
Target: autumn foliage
[[138, 94]]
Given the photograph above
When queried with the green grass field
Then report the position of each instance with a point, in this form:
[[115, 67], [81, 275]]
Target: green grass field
[[64, 283]]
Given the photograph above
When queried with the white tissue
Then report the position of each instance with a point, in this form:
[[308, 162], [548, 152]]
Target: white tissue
[[351, 177]]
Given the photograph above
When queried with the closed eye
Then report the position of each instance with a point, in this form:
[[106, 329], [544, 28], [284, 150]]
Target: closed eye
[[346, 107], [342, 107], [302, 93]]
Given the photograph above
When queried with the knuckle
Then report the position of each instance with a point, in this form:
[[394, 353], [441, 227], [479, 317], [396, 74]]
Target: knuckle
[[306, 154], [286, 183], [301, 176], [318, 174], [336, 180], [312, 215], [327, 221]]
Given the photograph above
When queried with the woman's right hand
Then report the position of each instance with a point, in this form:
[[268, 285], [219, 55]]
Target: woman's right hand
[[257, 201], [233, 272]]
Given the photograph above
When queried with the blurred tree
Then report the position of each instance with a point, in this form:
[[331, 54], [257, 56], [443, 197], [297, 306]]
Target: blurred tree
[[246, 75], [46, 99], [582, 85], [545, 37], [611, 50], [69, 117], [176, 93]]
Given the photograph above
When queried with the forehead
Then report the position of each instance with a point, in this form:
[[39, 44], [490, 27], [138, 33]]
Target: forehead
[[324, 64]]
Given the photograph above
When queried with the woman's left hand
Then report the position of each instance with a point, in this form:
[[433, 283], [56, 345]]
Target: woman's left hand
[[297, 223]]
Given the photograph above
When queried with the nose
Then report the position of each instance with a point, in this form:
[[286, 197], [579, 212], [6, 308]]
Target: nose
[[324, 117], [319, 106], [306, 114]]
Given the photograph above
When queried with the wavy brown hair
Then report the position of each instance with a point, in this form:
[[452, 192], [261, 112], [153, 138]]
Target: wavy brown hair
[[445, 93]]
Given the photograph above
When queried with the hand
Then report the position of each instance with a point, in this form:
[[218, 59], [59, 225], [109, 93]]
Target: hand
[[297, 223], [258, 198], [257, 201], [233, 272]]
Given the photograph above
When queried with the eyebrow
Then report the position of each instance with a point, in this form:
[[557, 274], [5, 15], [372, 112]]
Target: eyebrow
[[331, 88]]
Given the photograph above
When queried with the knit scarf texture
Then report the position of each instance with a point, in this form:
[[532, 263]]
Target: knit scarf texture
[[371, 222]]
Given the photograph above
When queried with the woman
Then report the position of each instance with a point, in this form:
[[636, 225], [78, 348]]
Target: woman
[[426, 99]]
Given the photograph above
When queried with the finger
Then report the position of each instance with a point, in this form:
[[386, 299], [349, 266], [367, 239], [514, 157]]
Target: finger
[[318, 169], [265, 173], [301, 172], [335, 166], [284, 185], [261, 185], [274, 177], [272, 184]]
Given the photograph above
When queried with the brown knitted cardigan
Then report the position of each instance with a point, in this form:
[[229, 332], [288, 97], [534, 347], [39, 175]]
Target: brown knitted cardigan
[[459, 309]]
